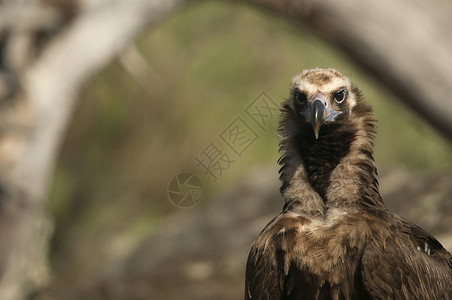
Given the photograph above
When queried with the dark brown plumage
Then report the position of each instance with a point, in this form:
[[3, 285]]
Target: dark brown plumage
[[335, 239]]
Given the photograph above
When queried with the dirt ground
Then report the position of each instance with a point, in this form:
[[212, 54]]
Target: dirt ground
[[200, 253]]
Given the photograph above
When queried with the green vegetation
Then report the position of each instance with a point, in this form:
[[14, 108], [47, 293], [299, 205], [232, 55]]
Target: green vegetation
[[212, 60]]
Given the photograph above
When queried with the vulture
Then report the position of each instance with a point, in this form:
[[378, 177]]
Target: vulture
[[335, 238]]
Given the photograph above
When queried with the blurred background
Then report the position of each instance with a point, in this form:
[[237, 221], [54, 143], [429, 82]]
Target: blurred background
[[210, 61], [116, 233]]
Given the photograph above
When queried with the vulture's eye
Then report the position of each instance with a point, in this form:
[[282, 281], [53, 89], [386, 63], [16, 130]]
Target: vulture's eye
[[340, 95], [300, 97]]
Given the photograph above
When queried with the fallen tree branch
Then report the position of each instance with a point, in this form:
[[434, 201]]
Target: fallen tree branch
[[406, 45]]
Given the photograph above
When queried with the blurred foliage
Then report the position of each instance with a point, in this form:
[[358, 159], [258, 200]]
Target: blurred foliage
[[212, 60]]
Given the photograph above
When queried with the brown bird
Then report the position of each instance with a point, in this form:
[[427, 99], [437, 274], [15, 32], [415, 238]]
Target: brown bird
[[335, 239]]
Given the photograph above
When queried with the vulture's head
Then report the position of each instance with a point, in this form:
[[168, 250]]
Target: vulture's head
[[324, 119], [322, 102]]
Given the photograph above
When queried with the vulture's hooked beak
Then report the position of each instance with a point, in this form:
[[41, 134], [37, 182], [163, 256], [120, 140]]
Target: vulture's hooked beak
[[319, 112]]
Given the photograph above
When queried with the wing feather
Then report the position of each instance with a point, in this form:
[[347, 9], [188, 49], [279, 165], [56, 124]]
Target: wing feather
[[270, 270], [409, 264], [263, 266]]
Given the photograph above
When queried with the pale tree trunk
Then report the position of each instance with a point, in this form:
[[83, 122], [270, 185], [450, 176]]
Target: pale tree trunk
[[49, 49], [42, 81]]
